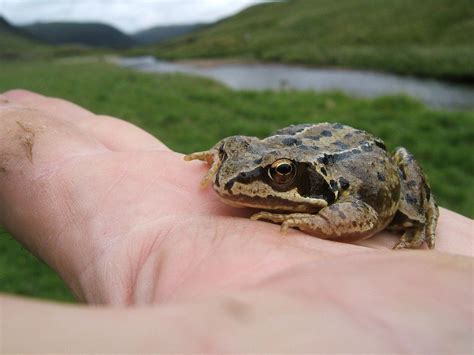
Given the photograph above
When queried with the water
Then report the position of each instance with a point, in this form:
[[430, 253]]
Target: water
[[434, 93]]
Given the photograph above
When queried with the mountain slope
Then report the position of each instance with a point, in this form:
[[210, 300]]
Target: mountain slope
[[89, 34], [426, 37], [13, 40], [159, 34]]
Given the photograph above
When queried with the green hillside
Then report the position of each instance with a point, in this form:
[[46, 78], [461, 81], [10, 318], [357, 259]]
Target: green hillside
[[89, 34], [16, 43], [159, 34], [424, 37]]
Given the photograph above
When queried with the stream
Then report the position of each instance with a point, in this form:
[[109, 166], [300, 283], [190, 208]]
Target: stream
[[357, 83]]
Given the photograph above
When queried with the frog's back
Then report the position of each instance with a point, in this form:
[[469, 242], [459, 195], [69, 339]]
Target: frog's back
[[330, 137]]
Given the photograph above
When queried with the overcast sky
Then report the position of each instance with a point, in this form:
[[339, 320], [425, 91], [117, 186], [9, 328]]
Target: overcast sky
[[127, 15]]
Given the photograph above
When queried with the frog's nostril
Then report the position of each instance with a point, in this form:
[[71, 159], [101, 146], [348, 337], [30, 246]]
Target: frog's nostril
[[243, 175]]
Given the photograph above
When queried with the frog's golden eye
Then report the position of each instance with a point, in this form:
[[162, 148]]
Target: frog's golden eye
[[282, 171]]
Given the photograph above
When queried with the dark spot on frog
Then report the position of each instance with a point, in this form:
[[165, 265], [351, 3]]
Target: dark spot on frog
[[3, 170], [427, 191], [311, 183], [340, 144], [222, 153], [334, 158], [402, 173], [324, 171], [290, 141], [333, 184], [308, 148], [314, 138], [323, 160], [298, 128], [216, 181], [342, 215], [412, 200], [337, 126], [354, 224], [411, 184], [380, 144], [326, 133], [348, 135], [257, 161], [245, 177], [343, 183], [380, 176]]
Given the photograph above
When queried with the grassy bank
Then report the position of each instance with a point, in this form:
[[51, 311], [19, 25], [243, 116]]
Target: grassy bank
[[426, 38], [182, 111]]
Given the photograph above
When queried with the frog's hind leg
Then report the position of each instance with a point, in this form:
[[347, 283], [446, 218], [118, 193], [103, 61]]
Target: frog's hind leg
[[417, 213]]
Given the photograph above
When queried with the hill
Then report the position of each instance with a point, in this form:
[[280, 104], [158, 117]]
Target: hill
[[17, 43], [426, 37], [160, 34], [88, 34], [14, 40]]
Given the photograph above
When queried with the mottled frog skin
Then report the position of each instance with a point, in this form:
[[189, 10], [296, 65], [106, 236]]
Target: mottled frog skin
[[328, 180]]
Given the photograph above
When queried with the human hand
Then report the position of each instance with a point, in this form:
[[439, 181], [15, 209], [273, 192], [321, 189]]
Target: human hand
[[121, 218]]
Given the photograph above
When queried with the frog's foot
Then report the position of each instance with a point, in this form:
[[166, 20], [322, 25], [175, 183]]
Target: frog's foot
[[411, 240], [212, 159], [343, 221], [286, 220]]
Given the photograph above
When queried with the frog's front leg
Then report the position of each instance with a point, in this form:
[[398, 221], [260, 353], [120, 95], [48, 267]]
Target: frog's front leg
[[343, 221], [212, 159]]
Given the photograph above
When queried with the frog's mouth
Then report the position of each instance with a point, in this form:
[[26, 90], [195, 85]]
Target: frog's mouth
[[271, 203], [257, 194]]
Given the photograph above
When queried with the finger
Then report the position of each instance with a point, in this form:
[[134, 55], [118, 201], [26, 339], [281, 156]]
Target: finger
[[55, 107], [120, 135], [113, 133]]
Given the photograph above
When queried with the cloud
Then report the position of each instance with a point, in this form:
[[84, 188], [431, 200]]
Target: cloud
[[127, 15]]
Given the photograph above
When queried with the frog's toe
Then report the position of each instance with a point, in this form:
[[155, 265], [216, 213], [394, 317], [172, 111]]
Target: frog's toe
[[284, 228], [289, 223], [204, 156], [287, 220], [260, 215], [411, 240], [430, 240]]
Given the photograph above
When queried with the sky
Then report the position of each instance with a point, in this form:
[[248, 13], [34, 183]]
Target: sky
[[127, 15]]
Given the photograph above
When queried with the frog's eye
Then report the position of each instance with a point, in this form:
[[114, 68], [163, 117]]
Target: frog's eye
[[282, 171]]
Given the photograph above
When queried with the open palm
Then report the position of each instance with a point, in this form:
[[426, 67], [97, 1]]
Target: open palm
[[122, 218]]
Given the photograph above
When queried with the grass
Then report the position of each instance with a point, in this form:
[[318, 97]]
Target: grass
[[190, 113], [426, 38]]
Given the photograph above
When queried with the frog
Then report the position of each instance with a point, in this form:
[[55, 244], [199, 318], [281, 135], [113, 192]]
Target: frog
[[329, 180]]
